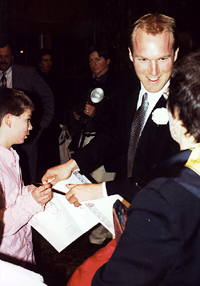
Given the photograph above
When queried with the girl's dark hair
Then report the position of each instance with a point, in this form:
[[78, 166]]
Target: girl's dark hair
[[184, 93]]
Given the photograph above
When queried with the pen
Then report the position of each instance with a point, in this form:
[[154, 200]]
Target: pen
[[53, 190]]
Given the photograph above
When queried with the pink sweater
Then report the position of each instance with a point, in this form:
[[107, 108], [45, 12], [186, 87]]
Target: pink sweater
[[20, 206]]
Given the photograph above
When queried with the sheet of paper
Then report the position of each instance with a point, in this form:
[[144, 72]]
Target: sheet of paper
[[103, 209], [61, 223]]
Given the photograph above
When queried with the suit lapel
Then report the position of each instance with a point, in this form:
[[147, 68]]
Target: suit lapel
[[150, 124], [151, 129], [161, 103], [16, 77]]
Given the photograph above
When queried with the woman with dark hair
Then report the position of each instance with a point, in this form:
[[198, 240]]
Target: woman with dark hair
[[161, 242]]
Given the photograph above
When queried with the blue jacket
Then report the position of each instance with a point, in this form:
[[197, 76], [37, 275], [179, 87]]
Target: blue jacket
[[161, 243]]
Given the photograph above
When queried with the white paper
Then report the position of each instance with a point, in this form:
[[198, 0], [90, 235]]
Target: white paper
[[61, 223], [103, 209]]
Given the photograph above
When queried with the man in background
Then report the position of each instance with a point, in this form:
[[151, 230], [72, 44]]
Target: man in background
[[27, 79]]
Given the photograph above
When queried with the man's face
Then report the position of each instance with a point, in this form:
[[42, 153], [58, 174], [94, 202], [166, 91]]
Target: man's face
[[46, 63], [6, 58], [153, 58], [98, 65]]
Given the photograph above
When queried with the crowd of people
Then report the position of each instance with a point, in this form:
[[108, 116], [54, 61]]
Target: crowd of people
[[143, 145]]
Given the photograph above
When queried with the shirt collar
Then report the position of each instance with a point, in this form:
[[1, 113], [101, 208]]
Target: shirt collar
[[152, 97], [159, 93], [102, 78], [8, 72], [9, 155]]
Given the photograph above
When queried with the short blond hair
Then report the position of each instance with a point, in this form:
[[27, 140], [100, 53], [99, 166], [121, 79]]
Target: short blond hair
[[154, 24]]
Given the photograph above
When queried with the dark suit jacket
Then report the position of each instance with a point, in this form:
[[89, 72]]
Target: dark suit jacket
[[161, 243], [155, 145], [27, 79]]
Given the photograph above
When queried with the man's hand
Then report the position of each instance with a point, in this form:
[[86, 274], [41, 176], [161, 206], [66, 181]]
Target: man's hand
[[42, 194], [89, 110], [80, 193], [60, 172]]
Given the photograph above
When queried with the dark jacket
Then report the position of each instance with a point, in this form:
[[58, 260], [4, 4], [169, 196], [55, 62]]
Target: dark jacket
[[155, 146], [161, 243], [27, 79], [90, 126]]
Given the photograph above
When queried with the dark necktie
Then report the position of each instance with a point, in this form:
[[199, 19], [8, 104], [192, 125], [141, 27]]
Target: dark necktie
[[136, 130], [3, 82]]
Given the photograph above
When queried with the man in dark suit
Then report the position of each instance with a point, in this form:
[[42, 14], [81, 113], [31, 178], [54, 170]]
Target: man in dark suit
[[27, 79], [153, 51], [160, 245]]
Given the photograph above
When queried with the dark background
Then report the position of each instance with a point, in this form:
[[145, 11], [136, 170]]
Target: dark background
[[70, 27]]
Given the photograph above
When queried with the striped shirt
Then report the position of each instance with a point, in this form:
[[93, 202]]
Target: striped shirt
[[20, 206]]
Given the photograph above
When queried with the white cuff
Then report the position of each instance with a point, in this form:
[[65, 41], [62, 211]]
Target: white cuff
[[104, 190]]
